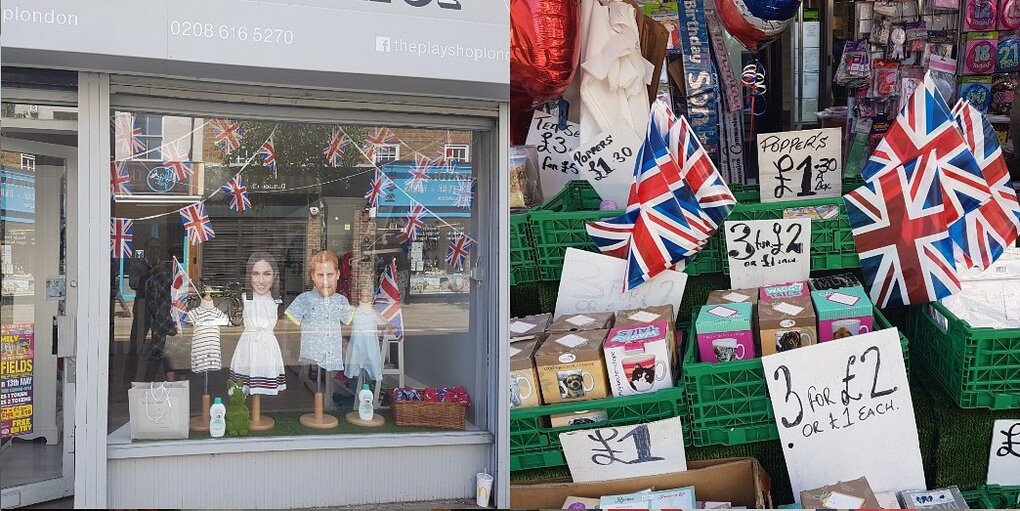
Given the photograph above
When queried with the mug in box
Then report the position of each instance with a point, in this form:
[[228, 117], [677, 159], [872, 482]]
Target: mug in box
[[725, 296], [843, 312], [648, 315], [524, 388], [582, 322], [526, 328], [724, 332], [586, 417], [638, 359], [785, 291], [570, 366], [786, 324]]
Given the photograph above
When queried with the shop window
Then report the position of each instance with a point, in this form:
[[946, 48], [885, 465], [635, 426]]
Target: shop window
[[457, 152], [279, 276], [150, 134]]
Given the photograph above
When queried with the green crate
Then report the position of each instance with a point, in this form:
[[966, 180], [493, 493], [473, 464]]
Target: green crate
[[535, 445], [978, 367], [523, 265], [729, 403], [993, 496], [575, 196], [554, 232]]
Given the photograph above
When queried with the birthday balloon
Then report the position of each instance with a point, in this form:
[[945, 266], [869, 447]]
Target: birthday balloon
[[756, 23], [543, 48]]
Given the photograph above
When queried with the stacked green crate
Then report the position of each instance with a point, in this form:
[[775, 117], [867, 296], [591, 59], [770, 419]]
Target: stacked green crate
[[523, 265]]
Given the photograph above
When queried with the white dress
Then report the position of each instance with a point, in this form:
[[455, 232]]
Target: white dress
[[364, 350], [257, 361]]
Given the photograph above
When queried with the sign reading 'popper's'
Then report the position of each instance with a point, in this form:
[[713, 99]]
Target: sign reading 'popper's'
[[797, 165]]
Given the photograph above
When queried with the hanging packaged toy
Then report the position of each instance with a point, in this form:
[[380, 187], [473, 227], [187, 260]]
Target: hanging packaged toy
[[943, 72], [885, 78], [1008, 55], [979, 15], [1003, 93], [977, 90], [979, 52], [880, 30], [1009, 15], [855, 66], [911, 78], [917, 34]]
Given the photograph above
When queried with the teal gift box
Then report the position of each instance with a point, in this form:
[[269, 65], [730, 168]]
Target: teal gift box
[[724, 332], [842, 312]]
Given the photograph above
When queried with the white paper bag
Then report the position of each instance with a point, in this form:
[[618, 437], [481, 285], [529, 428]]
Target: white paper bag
[[159, 410]]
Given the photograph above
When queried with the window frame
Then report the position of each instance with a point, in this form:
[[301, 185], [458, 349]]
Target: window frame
[[375, 153], [465, 147]]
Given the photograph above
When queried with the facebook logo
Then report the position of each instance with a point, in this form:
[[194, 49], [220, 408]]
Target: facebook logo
[[382, 43]]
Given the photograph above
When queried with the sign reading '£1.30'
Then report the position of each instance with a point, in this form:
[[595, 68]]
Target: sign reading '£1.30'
[[799, 165], [607, 162]]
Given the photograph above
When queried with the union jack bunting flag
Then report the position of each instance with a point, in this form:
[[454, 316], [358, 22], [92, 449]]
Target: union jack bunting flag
[[197, 224], [415, 222], [227, 134], [464, 193], [337, 146], [121, 237], [128, 137], [268, 154], [175, 158], [419, 174], [387, 300], [180, 289], [120, 178], [901, 233], [382, 136], [457, 253], [993, 226], [375, 189], [238, 193]]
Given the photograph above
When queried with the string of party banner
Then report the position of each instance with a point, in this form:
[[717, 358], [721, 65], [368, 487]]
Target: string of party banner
[[229, 135]]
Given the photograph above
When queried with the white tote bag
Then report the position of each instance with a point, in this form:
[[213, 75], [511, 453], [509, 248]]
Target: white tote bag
[[159, 410]]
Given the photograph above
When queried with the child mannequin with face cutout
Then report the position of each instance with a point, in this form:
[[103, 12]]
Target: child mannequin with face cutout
[[320, 313], [365, 352]]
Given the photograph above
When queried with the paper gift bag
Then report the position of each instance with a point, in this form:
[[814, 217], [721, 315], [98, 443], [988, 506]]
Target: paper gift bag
[[159, 410]]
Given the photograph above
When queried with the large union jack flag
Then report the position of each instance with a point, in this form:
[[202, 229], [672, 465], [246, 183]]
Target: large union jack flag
[[268, 154], [121, 237], [128, 138], [993, 226], [120, 178], [677, 202], [419, 174], [387, 300], [175, 158], [227, 134], [415, 223], [197, 224], [375, 189], [180, 288], [460, 248], [337, 146], [901, 233], [382, 136], [238, 193]]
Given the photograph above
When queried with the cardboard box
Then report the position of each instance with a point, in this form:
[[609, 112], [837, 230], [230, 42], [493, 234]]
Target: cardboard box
[[649, 314], [788, 290], [524, 387], [570, 367], [786, 324], [724, 332], [834, 281], [856, 494], [559, 420], [738, 480], [638, 358], [582, 322], [526, 328], [726, 296], [843, 312]]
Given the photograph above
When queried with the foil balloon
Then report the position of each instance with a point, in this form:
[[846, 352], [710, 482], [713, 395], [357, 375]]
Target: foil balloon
[[756, 23]]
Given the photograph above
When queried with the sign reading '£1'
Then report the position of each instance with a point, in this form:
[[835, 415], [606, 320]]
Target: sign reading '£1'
[[797, 165], [607, 162]]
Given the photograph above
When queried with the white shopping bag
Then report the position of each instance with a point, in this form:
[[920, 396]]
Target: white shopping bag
[[159, 410]]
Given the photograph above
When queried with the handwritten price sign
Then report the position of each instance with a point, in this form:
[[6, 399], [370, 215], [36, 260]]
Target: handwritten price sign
[[797, 165], [607, 161], [1004, 460], [555, 147], [623, 452], [843, 410], [766, 252]]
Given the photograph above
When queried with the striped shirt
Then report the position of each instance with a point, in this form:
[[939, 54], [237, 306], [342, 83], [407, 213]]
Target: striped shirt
[[205, 345]]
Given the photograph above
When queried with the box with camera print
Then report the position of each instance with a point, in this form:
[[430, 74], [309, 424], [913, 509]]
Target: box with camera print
[[524, 388], [786, 324], [570, 366], [582, 322], [843, 312], [648, 315], [638, 359]]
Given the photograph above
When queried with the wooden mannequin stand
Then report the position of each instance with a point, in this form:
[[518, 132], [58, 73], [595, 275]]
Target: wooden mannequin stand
[[354, 418], [259, 422], [317, 419], [200, 423]]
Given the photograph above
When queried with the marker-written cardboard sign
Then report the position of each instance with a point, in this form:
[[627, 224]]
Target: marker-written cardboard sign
[[1004, 459], [796, 165], [766, 252], [555, 147], [595, 283], [607, 162], [843, 410], [623, 452]]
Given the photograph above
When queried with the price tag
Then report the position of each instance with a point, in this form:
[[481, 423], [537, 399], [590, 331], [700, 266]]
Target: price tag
[[843, 410], [798, 165], [607, 161], [555, 148], [1004, 459], [766, 252], [626, 451]]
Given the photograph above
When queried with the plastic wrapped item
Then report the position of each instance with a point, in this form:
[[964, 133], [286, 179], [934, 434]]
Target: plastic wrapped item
[[525, 187], [917, 35], [943, 72], [886, 73], [911, 78], [1008, 56], [979, 53], [1003, 93], [855, 66], [1009, 15], [977, 90], [980, 15]]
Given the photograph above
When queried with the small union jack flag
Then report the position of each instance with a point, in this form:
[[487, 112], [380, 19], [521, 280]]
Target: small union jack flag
[[465, 193], [175, 158], [197, 224], [268, 154], [121, 237], [415, 222], [382, 136], [228, 134], [180, 288], [375, 190], [120, 178], [128, 137], [238, 193], [338, 142], [387, 300], [457, 253], [419, 174]]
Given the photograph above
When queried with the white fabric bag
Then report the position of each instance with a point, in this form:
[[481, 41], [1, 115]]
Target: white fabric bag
[[159, 410]]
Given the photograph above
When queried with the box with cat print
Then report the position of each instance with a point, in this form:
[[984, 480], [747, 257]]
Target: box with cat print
[[637, 358], [526, 328], [785, 291], [582, 322], [648, 315], [726, 296], [524, 388], [724, 332], [570, 366], [786, 324], [843, 312]]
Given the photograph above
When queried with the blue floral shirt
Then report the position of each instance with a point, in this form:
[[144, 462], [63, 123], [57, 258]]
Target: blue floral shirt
[[320, 318]]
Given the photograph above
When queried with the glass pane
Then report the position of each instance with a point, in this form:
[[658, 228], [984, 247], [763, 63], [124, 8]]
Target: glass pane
[[287, 283]]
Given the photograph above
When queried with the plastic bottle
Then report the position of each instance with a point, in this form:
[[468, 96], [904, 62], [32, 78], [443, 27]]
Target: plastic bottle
[[217, 419], [365, 398]]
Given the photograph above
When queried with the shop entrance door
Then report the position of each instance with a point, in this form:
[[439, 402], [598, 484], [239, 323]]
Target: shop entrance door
[[38, 300]]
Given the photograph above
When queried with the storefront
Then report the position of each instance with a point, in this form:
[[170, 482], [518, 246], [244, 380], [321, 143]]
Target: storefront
[[252, 163]]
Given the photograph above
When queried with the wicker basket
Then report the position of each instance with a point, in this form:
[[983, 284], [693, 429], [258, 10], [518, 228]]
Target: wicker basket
[[429, 415]]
